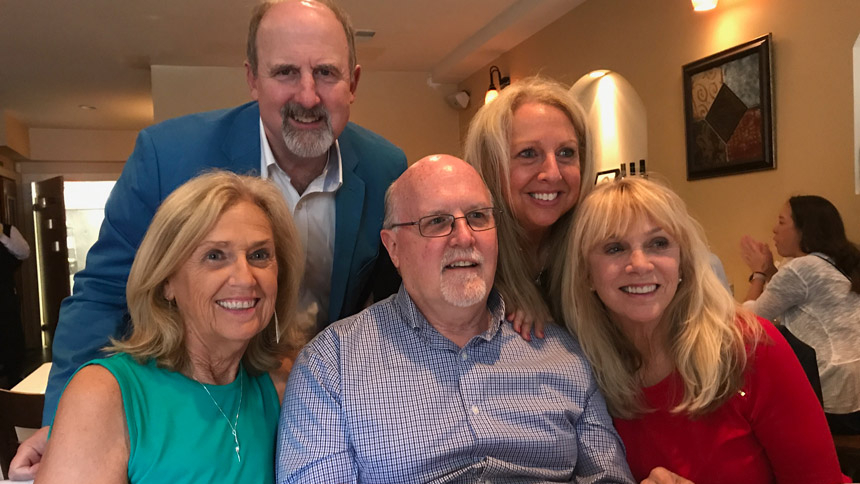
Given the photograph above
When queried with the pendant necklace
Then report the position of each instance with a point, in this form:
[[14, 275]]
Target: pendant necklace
[[235, 424]]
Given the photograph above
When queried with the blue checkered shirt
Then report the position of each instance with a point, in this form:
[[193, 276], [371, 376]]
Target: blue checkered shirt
[[382, 397]]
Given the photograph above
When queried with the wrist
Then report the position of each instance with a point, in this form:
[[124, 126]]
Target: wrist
[[758, 276]]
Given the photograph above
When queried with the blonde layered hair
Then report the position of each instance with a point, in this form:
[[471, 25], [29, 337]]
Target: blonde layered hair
[[181, 223], [708, 331], [488, 149]]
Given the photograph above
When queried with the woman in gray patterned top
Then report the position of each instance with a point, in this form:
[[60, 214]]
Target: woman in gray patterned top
[[816, 295]]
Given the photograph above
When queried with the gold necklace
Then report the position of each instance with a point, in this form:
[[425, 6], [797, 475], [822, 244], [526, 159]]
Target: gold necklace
[[235, 425]]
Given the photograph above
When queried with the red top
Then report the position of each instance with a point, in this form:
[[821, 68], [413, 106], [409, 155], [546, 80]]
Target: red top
[[772, 431]]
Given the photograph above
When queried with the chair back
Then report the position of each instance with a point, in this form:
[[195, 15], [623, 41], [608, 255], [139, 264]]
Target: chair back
[[17, 410], [806, 355]]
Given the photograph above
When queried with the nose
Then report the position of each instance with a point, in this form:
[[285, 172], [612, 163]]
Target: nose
[[461, 234], [639, 262], [242, 275], [549, 169], [307, 95]]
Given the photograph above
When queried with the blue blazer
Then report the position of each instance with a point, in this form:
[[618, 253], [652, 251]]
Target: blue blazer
[[168, 154]]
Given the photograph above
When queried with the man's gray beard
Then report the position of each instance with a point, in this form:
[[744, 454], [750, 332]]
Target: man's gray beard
[[463, 294], [306, 143], [462, 290]]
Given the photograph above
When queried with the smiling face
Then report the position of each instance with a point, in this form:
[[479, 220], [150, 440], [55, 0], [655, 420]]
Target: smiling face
[[635, 274], [544, 167], [226, 290], [455, 270], [303, 81], [786, 236]]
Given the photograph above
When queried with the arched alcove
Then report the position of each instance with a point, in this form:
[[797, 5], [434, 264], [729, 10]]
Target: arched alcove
[[616, 118]]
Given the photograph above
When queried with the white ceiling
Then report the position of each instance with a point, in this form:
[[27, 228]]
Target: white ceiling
[[58, 54]]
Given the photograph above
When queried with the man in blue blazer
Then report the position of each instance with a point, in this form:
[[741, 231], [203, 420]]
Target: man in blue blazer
[[302, 73]]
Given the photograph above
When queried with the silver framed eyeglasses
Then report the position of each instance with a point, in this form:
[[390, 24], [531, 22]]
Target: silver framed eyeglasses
[[442, 224]]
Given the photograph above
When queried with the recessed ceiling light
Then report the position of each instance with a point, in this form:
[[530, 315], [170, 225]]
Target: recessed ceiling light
[[87, 107]]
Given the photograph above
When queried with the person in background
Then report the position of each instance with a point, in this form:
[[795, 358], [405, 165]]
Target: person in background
[[430, 385], [302, 74], [699, 388], [816, 296], [13, 250], [192, 394], [532, 148]]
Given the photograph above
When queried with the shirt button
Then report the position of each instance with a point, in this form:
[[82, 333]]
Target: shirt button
[[464, 356], [475, 410]]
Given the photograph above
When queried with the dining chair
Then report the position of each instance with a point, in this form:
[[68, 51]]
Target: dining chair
[[22, 410], [848, 451]]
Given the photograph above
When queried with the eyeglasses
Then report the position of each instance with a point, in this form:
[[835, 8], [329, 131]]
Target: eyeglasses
[[442, 224]]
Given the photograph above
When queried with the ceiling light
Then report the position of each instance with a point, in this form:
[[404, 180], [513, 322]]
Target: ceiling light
[[598, 73], [87, 107], [504, 82], [702, 5]]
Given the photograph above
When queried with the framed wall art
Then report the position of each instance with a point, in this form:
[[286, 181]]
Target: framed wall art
[[728, 111], [607, 176]]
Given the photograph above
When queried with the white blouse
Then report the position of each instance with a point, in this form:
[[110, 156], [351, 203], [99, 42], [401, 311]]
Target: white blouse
[[814, 301]]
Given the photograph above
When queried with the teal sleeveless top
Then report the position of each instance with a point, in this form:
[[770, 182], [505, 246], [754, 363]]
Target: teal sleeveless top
[[178, 435]]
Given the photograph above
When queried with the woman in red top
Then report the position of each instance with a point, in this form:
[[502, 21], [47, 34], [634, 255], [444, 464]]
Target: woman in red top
[[697, 385]]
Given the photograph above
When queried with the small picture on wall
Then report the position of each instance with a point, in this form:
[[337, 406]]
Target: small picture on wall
[[607, 176], [728, 111]]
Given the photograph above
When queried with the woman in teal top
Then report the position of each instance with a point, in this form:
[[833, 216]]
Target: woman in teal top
[[193, 394]]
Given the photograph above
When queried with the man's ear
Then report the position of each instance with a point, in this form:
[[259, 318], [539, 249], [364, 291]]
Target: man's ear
[[389, 240], [353, 83], [251, 78]]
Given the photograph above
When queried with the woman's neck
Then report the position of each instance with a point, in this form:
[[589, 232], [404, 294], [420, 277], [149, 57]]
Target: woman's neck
[[212, 364], [652, 344]]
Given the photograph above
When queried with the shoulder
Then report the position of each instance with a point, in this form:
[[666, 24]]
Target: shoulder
[[361, 329], [93, 390], [375, 151], [557, 346], [208, 120]]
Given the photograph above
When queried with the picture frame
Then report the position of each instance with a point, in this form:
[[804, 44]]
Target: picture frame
[[728, 111], [606, 176]]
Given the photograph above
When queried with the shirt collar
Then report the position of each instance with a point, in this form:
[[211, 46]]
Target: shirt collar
[[416, 320], [332, 173]]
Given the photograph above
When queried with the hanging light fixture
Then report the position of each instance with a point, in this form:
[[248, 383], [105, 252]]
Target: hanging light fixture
[[504, 82], [702, 5]]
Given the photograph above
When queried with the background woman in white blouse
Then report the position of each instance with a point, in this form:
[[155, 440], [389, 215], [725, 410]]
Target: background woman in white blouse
[[816, 295]]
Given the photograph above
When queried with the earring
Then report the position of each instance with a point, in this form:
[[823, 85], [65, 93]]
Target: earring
[[277, 330]]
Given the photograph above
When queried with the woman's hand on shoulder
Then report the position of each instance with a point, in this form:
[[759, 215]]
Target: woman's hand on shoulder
[[524, 322], [89, 441], [661, 475]]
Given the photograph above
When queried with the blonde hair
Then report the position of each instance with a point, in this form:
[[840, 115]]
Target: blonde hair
[[488, 149], [181, 223], [707, 329]]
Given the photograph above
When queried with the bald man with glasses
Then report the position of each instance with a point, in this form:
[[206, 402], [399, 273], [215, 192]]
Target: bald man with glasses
[[431, 384]]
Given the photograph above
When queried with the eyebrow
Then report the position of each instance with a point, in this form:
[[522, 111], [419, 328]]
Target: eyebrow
[[226, 243]]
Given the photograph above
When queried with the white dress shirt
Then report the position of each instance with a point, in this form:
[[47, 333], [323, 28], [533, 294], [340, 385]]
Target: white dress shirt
[[16, 243], [314, 216]]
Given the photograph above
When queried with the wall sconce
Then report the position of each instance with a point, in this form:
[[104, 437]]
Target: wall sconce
[[702, 5], [492, 93]]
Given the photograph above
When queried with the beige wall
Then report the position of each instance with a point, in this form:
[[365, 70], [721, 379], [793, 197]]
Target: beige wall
[[402, 107], [648, 42], [80, 144], [180, 90]]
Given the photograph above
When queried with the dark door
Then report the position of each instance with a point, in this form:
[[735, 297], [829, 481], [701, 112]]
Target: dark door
[[51, 251]]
